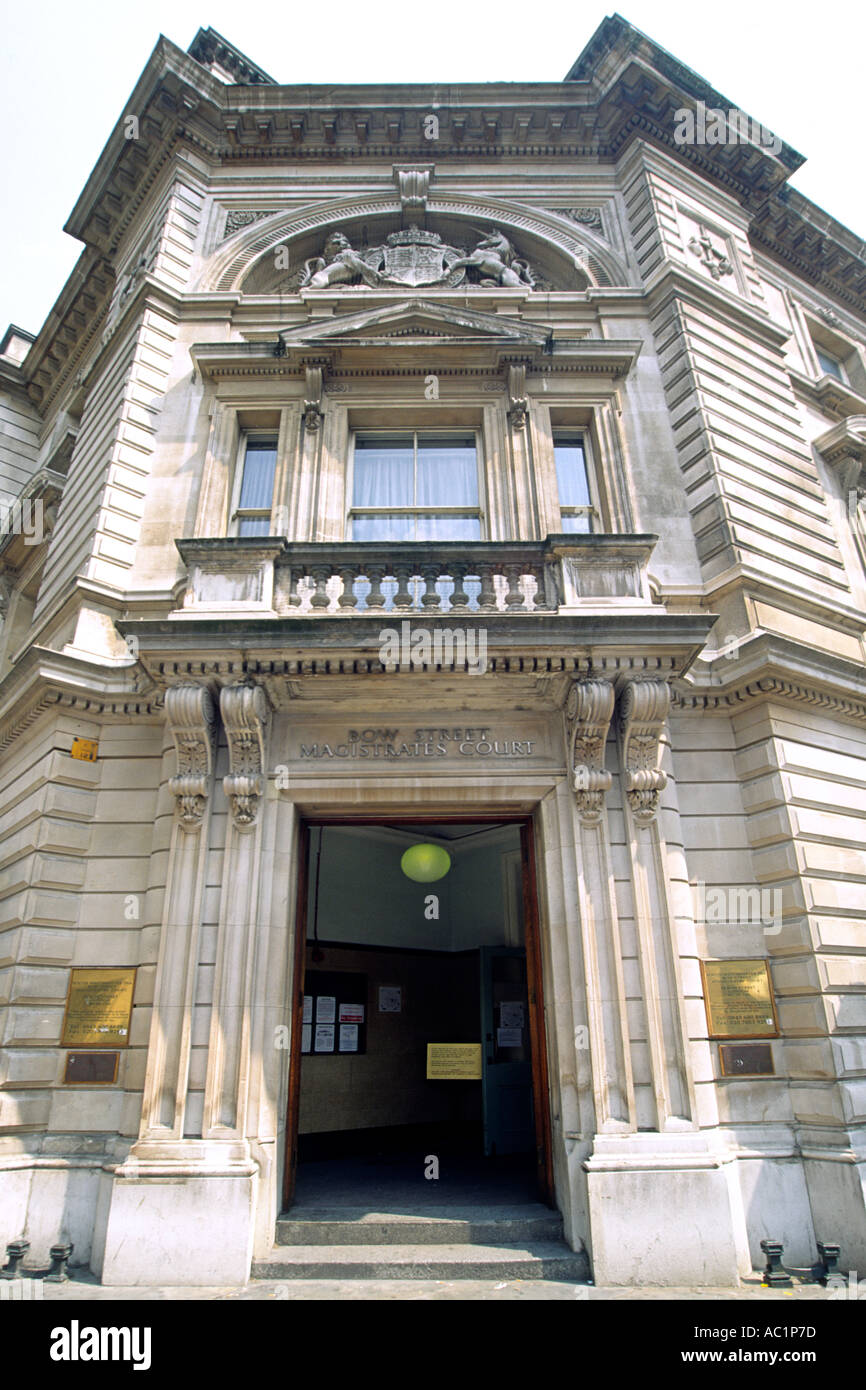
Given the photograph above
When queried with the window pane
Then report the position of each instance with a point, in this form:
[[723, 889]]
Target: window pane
[[257, 488], [447, 472], [829, 365], [577, 523], [571, 473], [383, 528], [254, 526], [383, 472], [448, 528]]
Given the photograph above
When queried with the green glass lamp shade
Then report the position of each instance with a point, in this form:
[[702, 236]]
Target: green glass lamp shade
[[425, 863]]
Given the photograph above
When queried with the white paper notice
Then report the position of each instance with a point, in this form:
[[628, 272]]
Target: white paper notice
[[324, 1037], [351, 1013], [509, 1037], [511, 1015], [348, 1037], [308, 1008], [390, 999], [326, 1008], [306, 1037]]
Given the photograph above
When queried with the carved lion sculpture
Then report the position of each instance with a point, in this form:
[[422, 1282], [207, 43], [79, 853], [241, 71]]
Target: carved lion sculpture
[[339, 265]]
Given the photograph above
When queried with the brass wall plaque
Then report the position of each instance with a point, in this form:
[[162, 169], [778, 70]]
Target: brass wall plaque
[[91, 1068], [85, 749], [98, 1007], [453, 1061], [739, 999], [746, 1059]]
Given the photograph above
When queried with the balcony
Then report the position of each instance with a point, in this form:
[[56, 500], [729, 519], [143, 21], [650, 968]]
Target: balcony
[[270, 576]]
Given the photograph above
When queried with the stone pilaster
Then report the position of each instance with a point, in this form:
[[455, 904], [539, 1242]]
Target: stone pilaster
[[588, 712], [244, 710], [192, 722], [643, 711]]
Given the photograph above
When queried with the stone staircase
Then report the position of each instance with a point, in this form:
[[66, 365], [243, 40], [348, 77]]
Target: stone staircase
[[503, 1242]]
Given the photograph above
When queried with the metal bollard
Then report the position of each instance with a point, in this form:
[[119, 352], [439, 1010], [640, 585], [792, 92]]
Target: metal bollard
[[58, 1273], [15, 1252], [774, 1274], [829, 1273]]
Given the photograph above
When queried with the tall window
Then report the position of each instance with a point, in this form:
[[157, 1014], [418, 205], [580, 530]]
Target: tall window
[[572, 476], [415, 487], [254, 490]]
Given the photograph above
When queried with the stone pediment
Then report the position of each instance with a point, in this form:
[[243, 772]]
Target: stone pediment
[[416, 322]]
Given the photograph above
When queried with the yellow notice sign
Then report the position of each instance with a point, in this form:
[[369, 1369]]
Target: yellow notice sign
[[98, 1008], [453, 1061], [739, 999], [85, 749]]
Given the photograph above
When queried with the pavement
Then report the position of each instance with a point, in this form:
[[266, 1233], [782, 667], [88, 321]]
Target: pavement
[[82, 1287]]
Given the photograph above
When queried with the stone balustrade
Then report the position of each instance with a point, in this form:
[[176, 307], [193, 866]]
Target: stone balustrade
[[266, 574]]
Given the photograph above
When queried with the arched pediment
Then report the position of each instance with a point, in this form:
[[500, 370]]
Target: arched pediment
[[557, 254]]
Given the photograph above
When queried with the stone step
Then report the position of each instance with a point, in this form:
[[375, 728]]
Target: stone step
[[537, 1260], [517, 1225]]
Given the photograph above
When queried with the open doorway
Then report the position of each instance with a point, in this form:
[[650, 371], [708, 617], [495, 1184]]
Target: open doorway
[[418, 1064]]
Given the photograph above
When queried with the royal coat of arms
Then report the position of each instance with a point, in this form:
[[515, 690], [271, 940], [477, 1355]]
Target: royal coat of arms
[[415, 257]]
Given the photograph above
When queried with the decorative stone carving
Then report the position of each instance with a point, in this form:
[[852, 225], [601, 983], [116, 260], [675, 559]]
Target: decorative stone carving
[[518, 403], [413, 185], [313, 412], [192, 721], [586, 217], [643, 710], [236, 220], [339, 264], [829, 317], [588, 712], [495, 261], [417, 257], [244, 709], [715, 261], [844, 448]]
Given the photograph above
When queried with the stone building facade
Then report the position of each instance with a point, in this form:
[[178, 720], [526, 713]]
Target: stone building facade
[[631, 601]]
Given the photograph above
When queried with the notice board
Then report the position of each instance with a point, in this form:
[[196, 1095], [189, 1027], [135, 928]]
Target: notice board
[[334, 1020]]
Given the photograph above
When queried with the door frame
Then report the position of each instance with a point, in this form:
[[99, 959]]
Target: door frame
[[534, 982]]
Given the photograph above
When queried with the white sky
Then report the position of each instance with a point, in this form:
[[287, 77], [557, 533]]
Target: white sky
[[67, 68]]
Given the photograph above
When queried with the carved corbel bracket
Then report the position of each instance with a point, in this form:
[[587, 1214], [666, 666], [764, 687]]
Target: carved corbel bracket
[[518, 404], [588, 712], [643, 709], [244, 710], [313, 412], [192, 720], [413, 186], [844, 448]]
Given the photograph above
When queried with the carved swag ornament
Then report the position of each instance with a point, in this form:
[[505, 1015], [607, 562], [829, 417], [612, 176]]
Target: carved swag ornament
[[192, 721], [588, 711], [643, 709]]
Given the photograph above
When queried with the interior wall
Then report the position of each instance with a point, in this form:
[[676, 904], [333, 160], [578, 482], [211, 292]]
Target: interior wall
[[387, 1085], [364, 897]]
